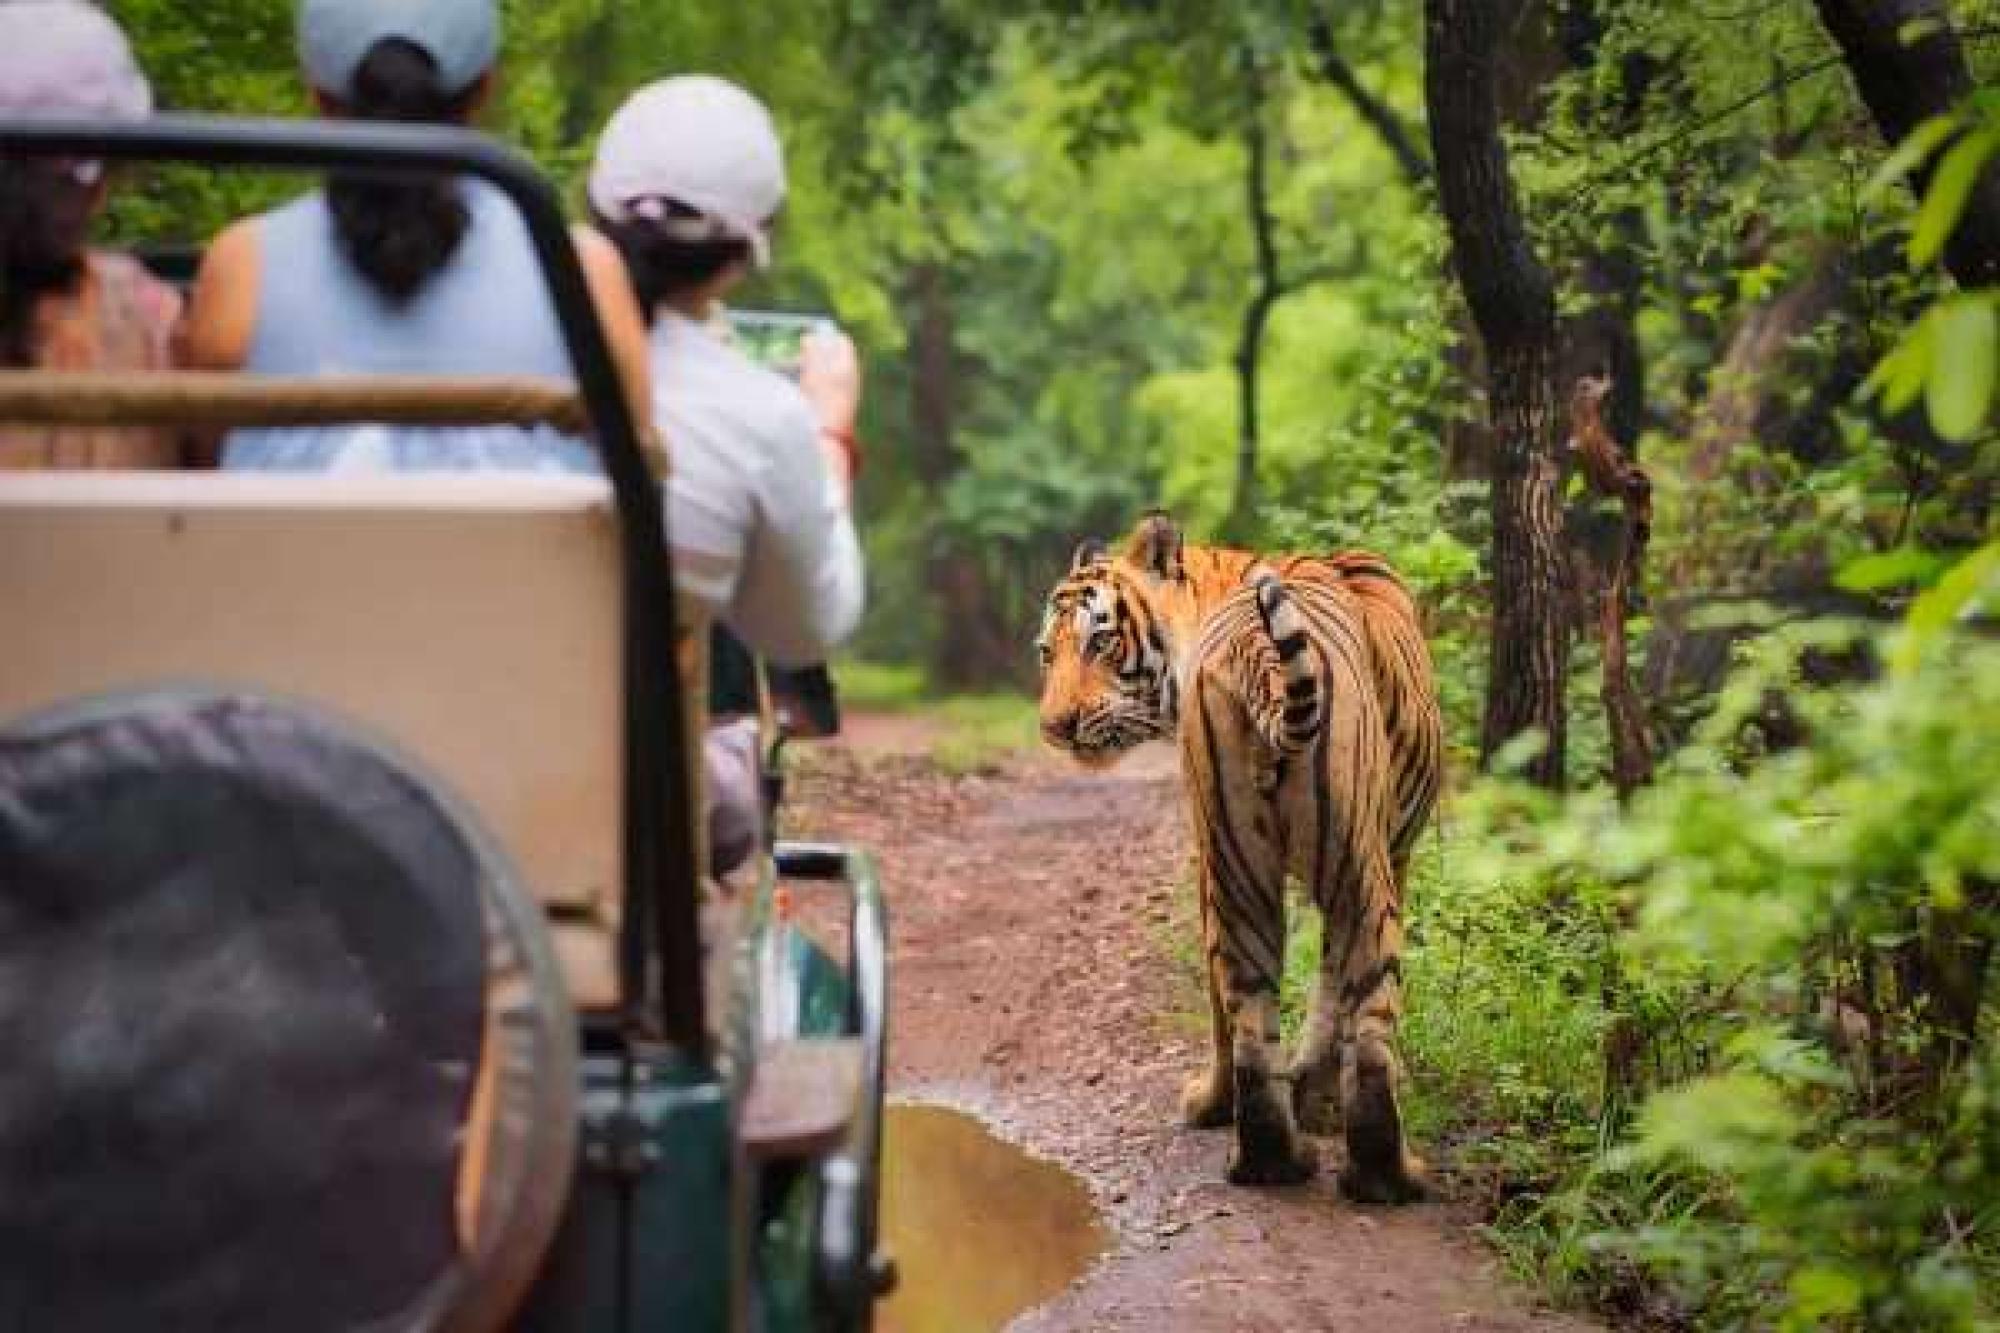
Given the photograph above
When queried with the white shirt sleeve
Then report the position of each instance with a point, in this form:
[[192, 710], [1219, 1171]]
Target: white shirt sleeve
[[800, 590], [762, 534]]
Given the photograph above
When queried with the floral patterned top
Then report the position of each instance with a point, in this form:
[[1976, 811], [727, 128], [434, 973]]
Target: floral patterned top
[[119, 317]]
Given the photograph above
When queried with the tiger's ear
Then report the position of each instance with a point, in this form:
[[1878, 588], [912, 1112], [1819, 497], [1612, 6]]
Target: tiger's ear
[[1087, 552], [1155, 545]]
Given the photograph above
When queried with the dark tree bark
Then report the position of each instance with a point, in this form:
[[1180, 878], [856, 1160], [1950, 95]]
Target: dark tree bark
[[1512, 300], [933, 375], [1264, 298], [1905, 85], [970, 644], [1377, 114]]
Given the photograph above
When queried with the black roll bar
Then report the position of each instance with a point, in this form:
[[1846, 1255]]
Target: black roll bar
[[659, 947]]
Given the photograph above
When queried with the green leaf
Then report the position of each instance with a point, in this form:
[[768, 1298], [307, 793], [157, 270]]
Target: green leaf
[[1923, 141], [1900, 376], [1889, 569], [1965, 347], [1818, 1293], [1950, 188], [1930, 615], [1915, 30]]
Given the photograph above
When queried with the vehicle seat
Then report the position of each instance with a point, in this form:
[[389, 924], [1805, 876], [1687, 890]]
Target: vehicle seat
[[475, 621], [286, 1048]]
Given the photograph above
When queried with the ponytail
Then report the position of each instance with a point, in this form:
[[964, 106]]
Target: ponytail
[[399, 233], [673, 251], [44, 225]]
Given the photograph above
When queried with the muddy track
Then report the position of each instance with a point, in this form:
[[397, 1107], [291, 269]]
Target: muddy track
[[1034, 915]]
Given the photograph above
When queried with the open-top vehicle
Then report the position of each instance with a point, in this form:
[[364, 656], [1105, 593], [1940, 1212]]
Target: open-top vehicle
[[356, 967]]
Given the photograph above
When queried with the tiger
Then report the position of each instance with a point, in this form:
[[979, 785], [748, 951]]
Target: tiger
[[1300, 691]]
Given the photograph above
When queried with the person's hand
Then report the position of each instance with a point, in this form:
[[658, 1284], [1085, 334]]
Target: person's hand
[[830, 378]]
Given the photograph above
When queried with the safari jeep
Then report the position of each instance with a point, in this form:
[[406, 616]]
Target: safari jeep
[[356, 968]]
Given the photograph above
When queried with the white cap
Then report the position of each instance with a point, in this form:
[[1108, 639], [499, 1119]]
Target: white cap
[[462, 37], [698, 141], [67, 58]]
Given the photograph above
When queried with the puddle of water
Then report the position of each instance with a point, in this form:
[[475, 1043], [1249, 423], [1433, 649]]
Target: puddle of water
[[980, 1230]]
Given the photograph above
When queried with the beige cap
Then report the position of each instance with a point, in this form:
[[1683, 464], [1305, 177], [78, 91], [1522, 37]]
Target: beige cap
[[698, 141], [68, 58]]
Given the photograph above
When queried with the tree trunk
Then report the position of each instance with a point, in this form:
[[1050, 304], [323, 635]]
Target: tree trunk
[[1512, 300], [1241, 522], [961, 651], [1906, 84], [933, 375]]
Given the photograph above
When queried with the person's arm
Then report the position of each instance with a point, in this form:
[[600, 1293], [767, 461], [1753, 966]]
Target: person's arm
[[221, 317], [624, 326], [830, 378], [800, 589]]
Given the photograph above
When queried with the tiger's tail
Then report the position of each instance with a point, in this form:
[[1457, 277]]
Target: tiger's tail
[[1294, 724]]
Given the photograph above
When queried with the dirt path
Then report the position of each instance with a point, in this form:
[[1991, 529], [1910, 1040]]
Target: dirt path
[[1033, 914]]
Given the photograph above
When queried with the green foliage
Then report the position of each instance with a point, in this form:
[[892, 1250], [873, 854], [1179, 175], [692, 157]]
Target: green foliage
[[1841, 1175], [1949, 356]]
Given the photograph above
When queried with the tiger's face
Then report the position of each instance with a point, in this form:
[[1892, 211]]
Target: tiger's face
[[1107, 678]]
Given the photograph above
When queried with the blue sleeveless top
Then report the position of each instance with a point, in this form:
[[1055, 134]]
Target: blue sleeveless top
[[486, 312]]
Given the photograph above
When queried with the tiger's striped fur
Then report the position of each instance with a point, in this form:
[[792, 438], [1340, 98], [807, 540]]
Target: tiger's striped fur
[[1300, 691]]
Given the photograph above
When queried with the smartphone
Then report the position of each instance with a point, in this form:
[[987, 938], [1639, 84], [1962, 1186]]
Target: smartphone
[[773, 338]]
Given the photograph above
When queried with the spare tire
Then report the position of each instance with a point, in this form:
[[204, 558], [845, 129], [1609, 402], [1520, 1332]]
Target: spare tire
[[284, 1043]]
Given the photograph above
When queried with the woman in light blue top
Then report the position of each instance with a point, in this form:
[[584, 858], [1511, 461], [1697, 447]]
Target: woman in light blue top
[[367, 276]]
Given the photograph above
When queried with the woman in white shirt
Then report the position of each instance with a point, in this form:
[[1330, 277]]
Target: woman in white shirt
[[688, 177]]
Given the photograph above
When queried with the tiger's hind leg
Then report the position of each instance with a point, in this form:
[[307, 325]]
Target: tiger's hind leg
[[1380, 1167], [1243, 886], [1316, 1061], [1327, 1039], [1209, 1099]]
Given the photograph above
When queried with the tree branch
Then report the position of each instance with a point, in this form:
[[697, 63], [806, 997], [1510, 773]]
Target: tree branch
[[1380, 117], [1270, 290]]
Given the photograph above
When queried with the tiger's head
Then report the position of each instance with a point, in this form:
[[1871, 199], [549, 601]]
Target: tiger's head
[[1107, 646]]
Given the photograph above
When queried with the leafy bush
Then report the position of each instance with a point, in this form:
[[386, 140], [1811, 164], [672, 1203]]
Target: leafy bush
[[1824, 1149]]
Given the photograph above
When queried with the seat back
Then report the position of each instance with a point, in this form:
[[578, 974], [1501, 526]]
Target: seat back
[[474, 621]]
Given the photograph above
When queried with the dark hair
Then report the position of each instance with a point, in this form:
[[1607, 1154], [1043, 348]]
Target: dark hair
[[665, 262], [44, 226], [399, 233]]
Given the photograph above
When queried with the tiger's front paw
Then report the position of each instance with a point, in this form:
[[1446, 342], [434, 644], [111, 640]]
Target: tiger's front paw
[[1209, 1100]]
